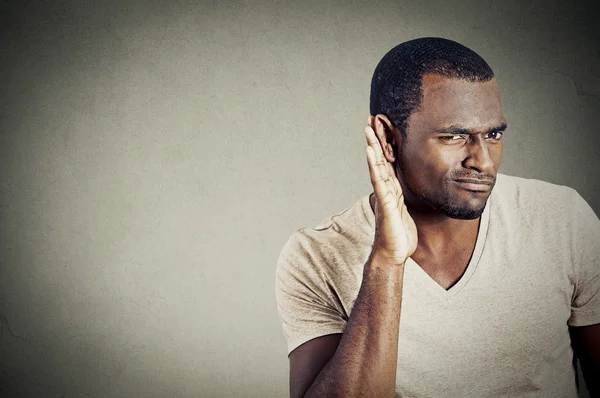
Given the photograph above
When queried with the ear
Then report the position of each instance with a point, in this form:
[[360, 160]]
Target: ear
[[387, 134]]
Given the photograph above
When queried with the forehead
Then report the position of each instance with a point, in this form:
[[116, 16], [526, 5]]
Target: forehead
[[454, 102]]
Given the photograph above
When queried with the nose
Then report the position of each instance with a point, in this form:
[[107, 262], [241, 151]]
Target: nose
[[478, 156]]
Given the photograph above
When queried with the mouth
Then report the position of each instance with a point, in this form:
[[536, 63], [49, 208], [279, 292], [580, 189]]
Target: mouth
[[475, 185]]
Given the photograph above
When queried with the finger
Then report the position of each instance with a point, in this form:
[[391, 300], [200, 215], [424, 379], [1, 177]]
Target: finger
[[395, 183], [390, 166], [383, 167], [381, 137], [386, 198], [379, 185], [395, 187], [380, 160], [375, 169], [383, 177], [390, 181], [380, 163], [379, 131], [372, 140]]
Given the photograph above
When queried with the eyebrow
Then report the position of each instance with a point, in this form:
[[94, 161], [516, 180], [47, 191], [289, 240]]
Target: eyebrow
[[457, 130]]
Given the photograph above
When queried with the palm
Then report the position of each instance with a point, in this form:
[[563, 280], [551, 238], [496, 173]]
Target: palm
[[395, 231]]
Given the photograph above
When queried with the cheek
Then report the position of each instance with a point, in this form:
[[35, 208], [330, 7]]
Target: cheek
[[440, 161], [498, 156], [427, 163], [425, 169]]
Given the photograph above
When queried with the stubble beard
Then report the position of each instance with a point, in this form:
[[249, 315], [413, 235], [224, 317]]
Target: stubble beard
[[443, 203]]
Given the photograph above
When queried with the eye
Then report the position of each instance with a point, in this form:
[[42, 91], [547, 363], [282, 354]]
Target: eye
[[451, 138], [495, 135]]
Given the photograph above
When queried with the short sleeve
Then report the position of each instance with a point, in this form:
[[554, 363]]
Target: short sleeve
[[585, 305], [303, 300]]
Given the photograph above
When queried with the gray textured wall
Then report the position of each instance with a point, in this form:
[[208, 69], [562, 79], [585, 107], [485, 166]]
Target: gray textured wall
[[155, 156]]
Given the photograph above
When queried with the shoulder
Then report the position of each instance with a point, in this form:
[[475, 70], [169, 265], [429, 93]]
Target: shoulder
[[311, 248]]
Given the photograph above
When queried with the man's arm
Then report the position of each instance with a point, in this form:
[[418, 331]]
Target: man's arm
[[586, 344], [308, 359], [362, 361], [585, 303]]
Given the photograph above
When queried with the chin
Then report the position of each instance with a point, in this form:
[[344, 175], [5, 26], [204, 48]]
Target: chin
[[458, 211], [450, 203], [454, 206], [463, 213]]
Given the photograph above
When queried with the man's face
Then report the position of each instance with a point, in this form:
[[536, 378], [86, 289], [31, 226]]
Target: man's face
[[449, 159]]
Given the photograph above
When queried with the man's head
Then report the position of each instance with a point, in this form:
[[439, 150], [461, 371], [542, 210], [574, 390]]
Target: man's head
[[438, 114]]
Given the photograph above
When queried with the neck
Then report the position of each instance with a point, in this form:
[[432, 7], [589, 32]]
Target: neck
[[437, 232]]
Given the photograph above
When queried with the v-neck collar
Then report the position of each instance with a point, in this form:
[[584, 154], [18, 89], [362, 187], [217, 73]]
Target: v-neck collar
[[428, 289]]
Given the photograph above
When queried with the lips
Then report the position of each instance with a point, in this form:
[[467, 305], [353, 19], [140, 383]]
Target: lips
[[475, 185]]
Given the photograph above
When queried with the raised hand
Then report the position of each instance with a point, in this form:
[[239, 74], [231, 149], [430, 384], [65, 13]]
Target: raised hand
[[395, 230]]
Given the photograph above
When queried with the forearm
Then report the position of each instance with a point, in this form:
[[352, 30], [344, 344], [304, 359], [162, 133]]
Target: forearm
[[586, 344], [365, 361]]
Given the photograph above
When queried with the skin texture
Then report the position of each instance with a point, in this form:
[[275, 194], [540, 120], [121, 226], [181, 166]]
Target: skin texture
[[586, 345], [423, 211]]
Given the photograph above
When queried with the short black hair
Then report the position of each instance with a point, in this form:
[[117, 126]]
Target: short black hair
[[396, 83]]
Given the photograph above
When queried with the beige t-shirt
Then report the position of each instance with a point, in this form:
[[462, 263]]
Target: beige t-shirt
[[501, 330]]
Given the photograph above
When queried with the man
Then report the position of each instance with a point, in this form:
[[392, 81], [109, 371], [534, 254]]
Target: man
[[449, 279]]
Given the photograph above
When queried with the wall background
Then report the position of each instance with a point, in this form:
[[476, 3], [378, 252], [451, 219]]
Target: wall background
[[155, 156]]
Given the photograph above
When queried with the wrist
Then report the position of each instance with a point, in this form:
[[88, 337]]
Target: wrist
[[382, 271], [379, 259]]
